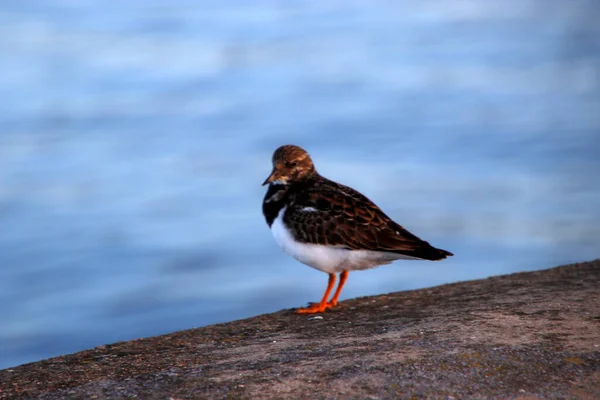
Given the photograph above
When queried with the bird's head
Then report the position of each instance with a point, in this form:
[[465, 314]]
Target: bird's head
[[290, 164]]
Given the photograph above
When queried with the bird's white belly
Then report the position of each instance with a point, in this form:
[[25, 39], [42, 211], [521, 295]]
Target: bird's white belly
[[326, 258]]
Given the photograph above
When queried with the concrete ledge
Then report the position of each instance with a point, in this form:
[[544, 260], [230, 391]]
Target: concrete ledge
[[527, 335]]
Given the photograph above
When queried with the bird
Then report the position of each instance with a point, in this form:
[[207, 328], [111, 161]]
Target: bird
[[332, 227]]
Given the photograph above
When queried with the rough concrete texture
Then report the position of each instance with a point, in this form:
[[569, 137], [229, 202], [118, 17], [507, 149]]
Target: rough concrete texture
[[522, 336]]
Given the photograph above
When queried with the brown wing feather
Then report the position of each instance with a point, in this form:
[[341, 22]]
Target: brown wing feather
[[338, 215]]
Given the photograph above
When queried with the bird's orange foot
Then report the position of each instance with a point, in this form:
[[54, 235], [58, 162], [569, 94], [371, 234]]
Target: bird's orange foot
[[314, 308]]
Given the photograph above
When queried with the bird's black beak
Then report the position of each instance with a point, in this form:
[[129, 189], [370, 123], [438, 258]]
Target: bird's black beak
[[270, 179]]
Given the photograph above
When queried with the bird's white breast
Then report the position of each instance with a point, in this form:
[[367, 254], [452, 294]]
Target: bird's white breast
[[327, 258]]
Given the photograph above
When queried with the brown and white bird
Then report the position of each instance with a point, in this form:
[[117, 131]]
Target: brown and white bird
[[332, 227]]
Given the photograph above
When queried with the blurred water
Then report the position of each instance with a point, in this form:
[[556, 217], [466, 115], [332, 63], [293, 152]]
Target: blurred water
[[135, 135]]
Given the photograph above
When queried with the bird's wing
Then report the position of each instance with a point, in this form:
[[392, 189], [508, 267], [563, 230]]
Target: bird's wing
[[328, 213]]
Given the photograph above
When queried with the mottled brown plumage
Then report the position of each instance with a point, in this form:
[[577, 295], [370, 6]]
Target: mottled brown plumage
[[319, 213], [341, 216]]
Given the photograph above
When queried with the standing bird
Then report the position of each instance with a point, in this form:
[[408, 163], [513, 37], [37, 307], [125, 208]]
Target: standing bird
[[332, 227]]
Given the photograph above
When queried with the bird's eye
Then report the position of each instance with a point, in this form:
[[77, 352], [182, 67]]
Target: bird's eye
[[294, 163]]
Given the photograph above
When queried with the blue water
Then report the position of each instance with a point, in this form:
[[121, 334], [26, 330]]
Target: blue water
[[135, 135]]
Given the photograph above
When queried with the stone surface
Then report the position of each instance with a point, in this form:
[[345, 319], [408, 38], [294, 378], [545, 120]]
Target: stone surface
[[522, 336]]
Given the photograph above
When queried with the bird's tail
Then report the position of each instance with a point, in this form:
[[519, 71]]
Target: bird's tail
[[443, 254], [427, 252]]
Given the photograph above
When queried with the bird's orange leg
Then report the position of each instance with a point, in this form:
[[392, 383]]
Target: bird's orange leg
[[323, 305], [334, 299]]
